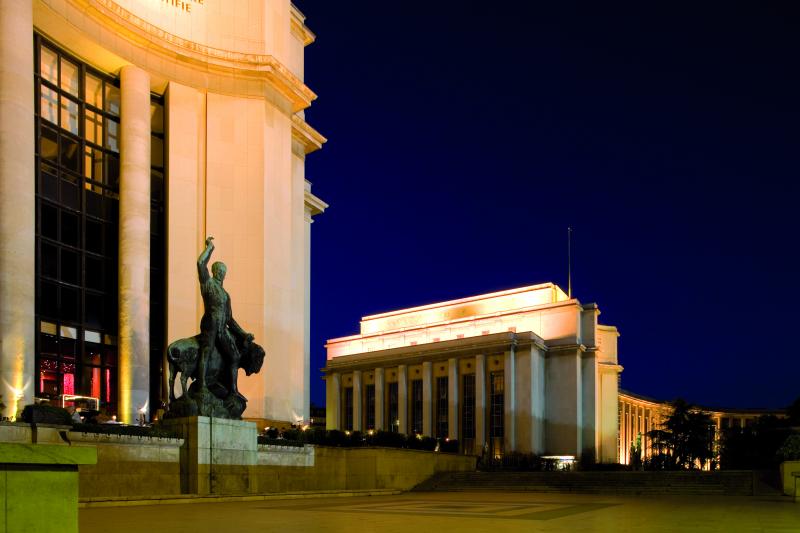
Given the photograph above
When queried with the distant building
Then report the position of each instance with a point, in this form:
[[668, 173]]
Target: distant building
[[526, 370], [639, 414]]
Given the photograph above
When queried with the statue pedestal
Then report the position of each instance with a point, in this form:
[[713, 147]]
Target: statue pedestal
[[218, 455]]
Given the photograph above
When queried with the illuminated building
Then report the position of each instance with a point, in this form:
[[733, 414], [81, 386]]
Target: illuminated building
[[130, 130], [526, 370], [639, 414]]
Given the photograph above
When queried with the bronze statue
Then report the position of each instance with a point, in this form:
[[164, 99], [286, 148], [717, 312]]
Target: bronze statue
[[212, 358]]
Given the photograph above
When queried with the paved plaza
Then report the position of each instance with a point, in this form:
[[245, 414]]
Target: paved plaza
[[461, 512]]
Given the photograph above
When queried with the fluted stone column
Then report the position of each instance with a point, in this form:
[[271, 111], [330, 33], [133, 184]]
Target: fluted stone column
[[380, 424], [134, 243], [357, 399], [402, 398], [427, 399], [452, 399], [17, 206], [480, 402]]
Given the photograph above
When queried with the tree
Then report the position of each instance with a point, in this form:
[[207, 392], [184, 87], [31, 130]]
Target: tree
[[684, 441]]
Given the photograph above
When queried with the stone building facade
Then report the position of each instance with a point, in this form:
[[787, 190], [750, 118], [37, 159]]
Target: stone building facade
[[129, 131], [527, 370]]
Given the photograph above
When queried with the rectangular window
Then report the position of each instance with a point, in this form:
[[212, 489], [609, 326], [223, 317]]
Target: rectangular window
[[392, 408], [496, 412], [468, 408], [369, 407], [77, 195], [347, 411], [441, 407], [416, 406]]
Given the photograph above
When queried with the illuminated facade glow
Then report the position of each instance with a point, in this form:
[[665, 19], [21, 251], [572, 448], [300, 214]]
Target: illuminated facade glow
[[155, 124], [525, 370]]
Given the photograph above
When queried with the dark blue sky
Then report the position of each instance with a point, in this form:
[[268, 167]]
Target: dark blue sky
[[464, 138]]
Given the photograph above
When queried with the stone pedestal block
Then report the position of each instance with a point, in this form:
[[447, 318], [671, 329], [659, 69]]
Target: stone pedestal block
[[218, 455], [39, 486]]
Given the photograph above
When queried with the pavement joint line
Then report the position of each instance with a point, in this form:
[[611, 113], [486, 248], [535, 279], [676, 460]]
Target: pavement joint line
[[178, 499]]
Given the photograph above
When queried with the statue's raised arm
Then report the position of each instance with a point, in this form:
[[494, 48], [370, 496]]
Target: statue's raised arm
[[202, 261]]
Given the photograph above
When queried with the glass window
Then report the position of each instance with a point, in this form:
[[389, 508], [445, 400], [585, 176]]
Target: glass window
[[70, 154], [112, 135], [468, 409], [348, 409], [69, 77], [441, 407], [94, 127], [112, 102], [48, 65], [48, 146], [392, 418], [94, 91], [416, 406], [156, 118], [48, 104], [69, 115], [369, 406]]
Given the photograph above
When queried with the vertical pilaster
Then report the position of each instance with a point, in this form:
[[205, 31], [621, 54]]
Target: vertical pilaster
[[589, 396], [402, 398], [510, 400], [357, 400], [538, 443], [480, 401], [427, 399], [17, 206], [333, 392], [380, 424], [452, 397], [563, 404], [134, 243]]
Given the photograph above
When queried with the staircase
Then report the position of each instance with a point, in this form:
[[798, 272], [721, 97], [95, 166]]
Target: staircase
[[726, 483]]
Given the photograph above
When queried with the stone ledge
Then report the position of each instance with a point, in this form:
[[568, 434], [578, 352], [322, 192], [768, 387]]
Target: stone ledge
[[46, 454], [194, 498], [113, 438]]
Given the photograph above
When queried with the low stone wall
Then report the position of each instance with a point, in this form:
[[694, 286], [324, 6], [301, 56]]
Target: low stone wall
[[130, 466], [351, 468]]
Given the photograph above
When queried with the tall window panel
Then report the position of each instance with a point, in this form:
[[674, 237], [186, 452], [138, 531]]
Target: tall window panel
[[392, 406], [77, 211], [441, 407], [348, 409], [468, 413], [496, 413], [416, 406], [369, 407], [157, 251]]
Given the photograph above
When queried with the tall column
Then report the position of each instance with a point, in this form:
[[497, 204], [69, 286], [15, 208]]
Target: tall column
[[379, 400], [402, 398], [357, 399], [452, 399], [333, 391], [427, 398], [134, 243], [510, 400], [480, 402], [17, 206]]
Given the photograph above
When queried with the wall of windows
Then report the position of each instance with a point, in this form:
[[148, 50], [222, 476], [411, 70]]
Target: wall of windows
[[496, 413], [468, 413], [77, 121], [392, 408], [416, 406], [369, 406], [348, 408], [441, 407]]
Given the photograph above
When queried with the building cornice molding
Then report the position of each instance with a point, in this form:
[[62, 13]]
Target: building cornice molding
[[299, 28], [307, 138], [121, 23], [439, 351]]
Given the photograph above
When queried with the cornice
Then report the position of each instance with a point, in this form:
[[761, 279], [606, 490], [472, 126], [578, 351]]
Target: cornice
[[154, 40], [299, 28], [411, 355], [307, 137], [314, 206]]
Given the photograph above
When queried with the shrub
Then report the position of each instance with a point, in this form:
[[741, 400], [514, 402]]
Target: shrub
[[790, 450], [448, 446], [121, 429]]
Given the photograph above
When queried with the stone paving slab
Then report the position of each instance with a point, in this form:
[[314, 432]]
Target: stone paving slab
[[495, 512]]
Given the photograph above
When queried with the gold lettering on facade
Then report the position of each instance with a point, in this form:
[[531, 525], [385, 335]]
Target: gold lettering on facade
[[183, 5]]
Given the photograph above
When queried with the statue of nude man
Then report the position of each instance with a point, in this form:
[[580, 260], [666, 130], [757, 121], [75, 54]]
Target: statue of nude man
[[217, 327]]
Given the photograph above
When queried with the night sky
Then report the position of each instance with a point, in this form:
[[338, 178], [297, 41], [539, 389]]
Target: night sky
[[465, 137]]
